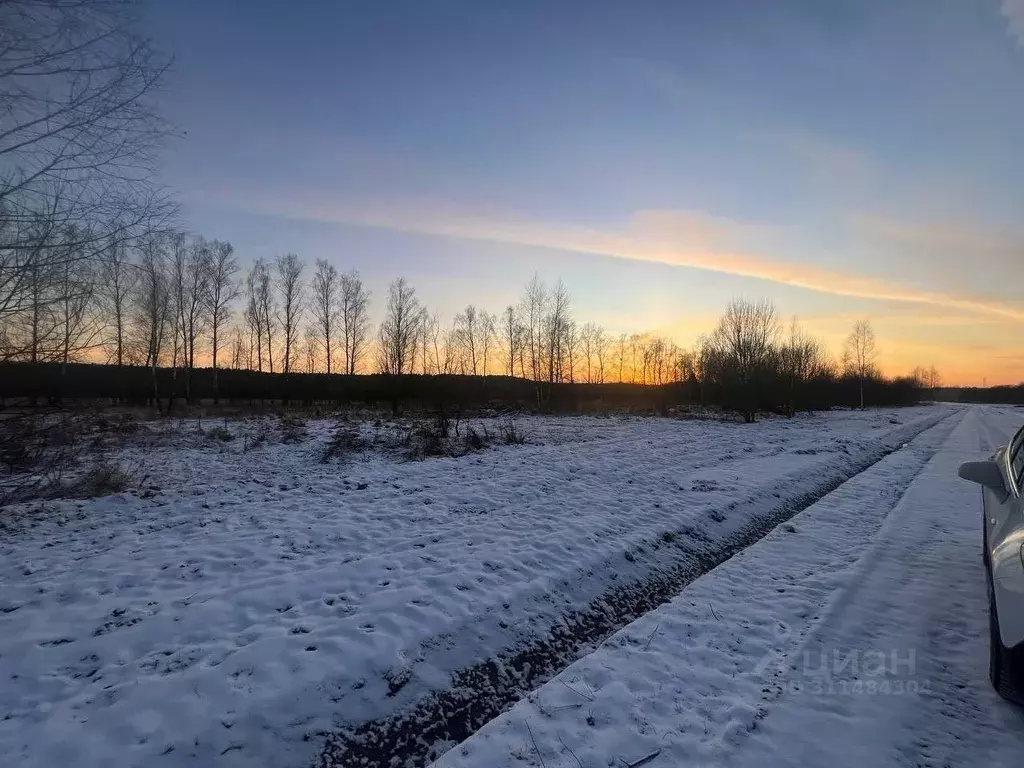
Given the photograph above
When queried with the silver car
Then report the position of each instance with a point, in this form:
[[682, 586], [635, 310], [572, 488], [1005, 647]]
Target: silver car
[[1002, 482]]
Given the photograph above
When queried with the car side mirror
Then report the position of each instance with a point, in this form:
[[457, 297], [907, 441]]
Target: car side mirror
[[985, 473]]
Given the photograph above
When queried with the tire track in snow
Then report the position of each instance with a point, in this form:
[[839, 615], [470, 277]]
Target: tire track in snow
[[479, 693]]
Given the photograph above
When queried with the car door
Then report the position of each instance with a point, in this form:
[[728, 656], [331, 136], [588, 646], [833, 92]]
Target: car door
[[1004, 526], [1003, 511]]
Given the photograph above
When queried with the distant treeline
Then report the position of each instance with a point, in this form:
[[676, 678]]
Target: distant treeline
[[1011, 395], [134, 385]]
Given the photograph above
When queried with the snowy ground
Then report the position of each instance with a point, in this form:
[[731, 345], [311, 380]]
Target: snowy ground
[[240, 607], [855, 634]]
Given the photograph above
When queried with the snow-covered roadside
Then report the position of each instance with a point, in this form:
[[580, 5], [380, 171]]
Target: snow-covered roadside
[[235, 621], [853, 635]]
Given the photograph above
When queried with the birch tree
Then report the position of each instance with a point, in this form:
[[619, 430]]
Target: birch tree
[[292, 295], [190, 262], [556, 328], [512, 339], [152, 305], [398, 331], [533, 309], [355, 320], [325, 307], [260, 311], [118, 277], [860, 353], [222, 289]]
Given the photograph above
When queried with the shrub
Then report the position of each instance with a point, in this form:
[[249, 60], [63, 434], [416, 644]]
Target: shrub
[[256, 436], [511, 435], [344, 441], [475, 441], [292, 428], [102, 479], [220, 433], [423, 440], [37, 450]]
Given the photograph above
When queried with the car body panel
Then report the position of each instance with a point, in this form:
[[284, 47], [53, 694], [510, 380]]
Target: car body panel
[[1009, 596], [1004, 538]]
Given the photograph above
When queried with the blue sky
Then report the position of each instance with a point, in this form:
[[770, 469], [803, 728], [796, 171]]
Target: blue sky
[[845, 159]]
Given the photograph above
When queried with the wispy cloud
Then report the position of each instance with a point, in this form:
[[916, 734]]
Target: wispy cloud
[[829, 157], [956, 249], [1013, 10], [677, 238]]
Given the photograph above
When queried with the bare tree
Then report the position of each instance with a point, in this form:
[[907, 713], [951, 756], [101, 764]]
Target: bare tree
[[152, 304], [398, 330], [621, 350], [655, 353], [252, 316], [77, 140], [593, 349], [75, 290], [260, 311], [241, 354], [427, 330], [117, 279], [571, 344], [860, 353], [311, 348], [190, 262], [801, 359], [534, 306], [512, 339], [427, 365], [926, 378], [222, 289], [441, 345], [292, 293], [600, 344], [467, 333], [355, 320], [587, 352], [741, 348], [487, 336], [76, 80], [27, 316], [556, 323], [449, 351], [325, 306]]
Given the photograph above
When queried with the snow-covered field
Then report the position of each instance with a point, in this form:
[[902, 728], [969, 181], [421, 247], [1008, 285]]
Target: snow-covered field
[[240, 608], [855, 634]]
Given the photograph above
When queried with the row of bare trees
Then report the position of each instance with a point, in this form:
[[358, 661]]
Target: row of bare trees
[[926, 378], [171, 299], [164, 299], [333, 305], [754, 362]]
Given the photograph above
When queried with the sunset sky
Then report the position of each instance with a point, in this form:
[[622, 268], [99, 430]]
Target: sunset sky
[[846, 159]]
